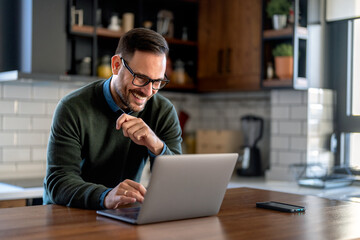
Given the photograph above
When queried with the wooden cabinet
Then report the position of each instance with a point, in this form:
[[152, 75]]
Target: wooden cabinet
[[229, 45], [12, 203]]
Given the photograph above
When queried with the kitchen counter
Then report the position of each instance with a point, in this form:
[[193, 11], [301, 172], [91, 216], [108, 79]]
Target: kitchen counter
[[11, 192], [349, 193], [32, 188]]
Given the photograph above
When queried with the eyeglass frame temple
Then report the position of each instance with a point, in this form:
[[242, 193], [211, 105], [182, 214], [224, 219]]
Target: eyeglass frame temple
[[149, 79]]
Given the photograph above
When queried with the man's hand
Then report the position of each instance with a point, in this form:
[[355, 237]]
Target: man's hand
[[139, 132], [126, 192]]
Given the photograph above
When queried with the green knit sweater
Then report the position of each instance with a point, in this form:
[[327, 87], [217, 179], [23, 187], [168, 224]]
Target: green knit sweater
[[86, 154]]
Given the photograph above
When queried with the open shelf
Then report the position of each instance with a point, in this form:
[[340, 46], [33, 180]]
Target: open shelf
[[104, 32], [285, 33], [277, 83], [181, 42], [82, 30], [188, 86]]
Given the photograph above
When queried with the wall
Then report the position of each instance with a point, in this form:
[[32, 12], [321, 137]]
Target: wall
[[301, 125], [26, 112], [25, 117]]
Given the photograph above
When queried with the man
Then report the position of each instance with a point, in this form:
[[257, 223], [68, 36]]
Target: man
[[103, 133]]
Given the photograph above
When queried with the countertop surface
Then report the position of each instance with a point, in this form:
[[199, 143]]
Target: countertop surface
[[21, 189], [32, 188], [348, 193]]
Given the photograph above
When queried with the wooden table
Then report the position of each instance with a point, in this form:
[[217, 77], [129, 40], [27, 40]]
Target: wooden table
[[237, 219]]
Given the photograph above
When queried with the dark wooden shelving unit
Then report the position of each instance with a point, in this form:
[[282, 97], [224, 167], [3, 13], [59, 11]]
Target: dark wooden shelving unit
[[295, 34], [90, 40]]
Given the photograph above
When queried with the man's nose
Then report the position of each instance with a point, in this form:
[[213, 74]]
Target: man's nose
[[148, 89]]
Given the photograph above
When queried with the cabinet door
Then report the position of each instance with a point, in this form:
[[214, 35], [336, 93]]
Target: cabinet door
[[229, 45], [211, 35]]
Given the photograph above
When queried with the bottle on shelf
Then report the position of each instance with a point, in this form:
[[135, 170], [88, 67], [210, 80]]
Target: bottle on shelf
[[269, 70], [104, 69]]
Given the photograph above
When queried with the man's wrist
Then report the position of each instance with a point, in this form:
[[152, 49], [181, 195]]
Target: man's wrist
[[157, 149], [161, 153], [102, 198]]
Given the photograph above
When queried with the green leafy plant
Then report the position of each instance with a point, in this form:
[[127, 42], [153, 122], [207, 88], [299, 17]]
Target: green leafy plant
[[284, 49], [280, 7]]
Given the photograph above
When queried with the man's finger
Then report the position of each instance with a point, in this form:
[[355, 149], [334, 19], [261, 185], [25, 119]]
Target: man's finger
[[137, 186], [123, 118]]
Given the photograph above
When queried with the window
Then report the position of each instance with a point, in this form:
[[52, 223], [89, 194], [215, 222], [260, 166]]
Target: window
[[354, 151], [355, 81], [349, 120]]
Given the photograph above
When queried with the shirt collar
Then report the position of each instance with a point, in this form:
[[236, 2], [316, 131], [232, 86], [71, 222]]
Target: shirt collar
[[109, 98]]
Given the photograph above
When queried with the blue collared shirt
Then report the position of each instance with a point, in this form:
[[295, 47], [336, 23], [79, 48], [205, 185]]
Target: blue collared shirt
[[116, 108]]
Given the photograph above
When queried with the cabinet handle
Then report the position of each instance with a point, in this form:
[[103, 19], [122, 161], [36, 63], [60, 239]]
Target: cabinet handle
[[228, 60], [220, 60]]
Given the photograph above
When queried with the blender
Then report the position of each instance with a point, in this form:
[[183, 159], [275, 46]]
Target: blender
[[250, 158]]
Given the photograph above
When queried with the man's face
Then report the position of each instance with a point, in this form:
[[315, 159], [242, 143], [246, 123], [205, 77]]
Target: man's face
[[128, 96]]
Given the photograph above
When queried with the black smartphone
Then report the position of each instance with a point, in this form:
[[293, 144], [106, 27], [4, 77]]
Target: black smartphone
[[283, 207]]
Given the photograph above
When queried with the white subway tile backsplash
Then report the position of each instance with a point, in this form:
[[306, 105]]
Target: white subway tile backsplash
[[326, 127], [32, 108], [65, 91], [298, 112], [278, 142], [298, 143], [274, 127], [274, 97], [327, 98], [7, 139], [30, 139], [45, 92], [280, 173], [50, 107], [305, 97], [314, 127], [304, 128], [274, 158], [290, 127], [38, 154], [7, 107], [308, 129], [41, 123], [17, 91], [15, 155], [313, 96], [16, 123], [290, 97], [7, 168], [31, 167], [316, 111], [289, 158], [280, 112], [329, 113]]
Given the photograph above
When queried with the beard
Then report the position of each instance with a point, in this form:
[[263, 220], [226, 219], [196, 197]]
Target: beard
[[125, 99]]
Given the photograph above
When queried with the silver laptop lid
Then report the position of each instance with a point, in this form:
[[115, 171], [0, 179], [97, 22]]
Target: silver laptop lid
[[186, 186]]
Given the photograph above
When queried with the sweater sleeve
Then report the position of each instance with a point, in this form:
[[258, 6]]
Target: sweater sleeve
[[63, 183], [169, 131]]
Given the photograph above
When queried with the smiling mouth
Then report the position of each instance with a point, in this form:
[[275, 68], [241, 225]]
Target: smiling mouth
[[139, 96]]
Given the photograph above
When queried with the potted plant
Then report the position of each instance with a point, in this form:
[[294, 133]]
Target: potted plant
[[284, 60], [278, 11]]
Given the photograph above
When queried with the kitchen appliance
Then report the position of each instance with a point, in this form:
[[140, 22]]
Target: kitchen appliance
[[250, 158]]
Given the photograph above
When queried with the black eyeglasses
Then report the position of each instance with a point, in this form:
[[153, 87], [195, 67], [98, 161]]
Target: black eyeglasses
[[140, 80]]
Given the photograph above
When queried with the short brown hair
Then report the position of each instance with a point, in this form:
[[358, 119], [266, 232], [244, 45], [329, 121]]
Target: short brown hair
[[141, 39]]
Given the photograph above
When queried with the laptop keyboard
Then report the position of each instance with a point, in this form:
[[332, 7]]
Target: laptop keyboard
[[128, 212]]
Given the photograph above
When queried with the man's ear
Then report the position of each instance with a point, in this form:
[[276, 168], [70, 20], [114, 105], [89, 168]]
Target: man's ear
[[115, 64]]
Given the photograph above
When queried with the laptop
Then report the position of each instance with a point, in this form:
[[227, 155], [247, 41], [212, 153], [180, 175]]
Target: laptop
[[181, 187]]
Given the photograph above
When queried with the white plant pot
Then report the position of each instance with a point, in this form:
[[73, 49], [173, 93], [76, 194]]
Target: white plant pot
[[279, 21]]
